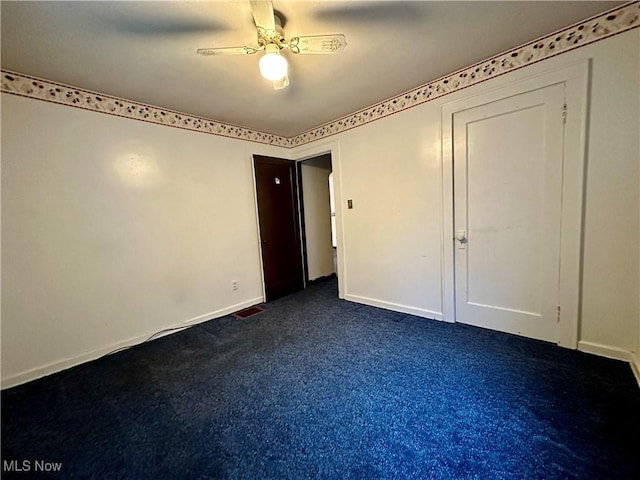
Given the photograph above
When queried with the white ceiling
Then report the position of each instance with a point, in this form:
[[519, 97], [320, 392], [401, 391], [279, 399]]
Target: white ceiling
[[144, 51]]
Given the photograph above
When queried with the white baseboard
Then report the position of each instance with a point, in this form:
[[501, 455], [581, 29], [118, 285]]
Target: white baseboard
[[612, 352], [223, 311], [59, 365], [396, 307], [604, 350]]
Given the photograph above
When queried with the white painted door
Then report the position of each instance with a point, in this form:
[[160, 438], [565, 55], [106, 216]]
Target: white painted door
[[507, 204]]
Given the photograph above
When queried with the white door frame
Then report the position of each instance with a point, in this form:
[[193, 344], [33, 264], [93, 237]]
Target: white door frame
[[321, 147], [575, 78]]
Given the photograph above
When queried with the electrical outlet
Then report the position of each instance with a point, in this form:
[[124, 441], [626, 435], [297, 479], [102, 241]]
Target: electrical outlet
[[234, 285]]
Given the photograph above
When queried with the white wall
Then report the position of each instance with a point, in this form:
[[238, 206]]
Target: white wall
[[393, 235], [610, 287], [113, 229], [317, 216]]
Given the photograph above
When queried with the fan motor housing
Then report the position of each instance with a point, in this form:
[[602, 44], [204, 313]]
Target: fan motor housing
[[266, 37]]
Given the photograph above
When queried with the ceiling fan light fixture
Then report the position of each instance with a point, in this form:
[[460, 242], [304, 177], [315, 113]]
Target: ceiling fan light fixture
[[271, 39], [273, 66]]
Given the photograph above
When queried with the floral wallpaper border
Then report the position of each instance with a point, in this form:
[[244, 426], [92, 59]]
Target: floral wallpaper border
[[607, 24], [599, 27], [36, 88]]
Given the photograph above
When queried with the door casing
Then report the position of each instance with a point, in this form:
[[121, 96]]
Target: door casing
[[298, 154], [575, 79], [332, 147]]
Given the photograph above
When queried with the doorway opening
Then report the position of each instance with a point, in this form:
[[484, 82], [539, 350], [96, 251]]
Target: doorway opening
[[317, 218]]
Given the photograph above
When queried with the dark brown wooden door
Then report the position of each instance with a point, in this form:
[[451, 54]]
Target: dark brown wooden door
[[276, 186]]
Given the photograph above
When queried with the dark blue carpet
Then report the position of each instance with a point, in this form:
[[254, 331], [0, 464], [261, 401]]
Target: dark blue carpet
[[316, 387]]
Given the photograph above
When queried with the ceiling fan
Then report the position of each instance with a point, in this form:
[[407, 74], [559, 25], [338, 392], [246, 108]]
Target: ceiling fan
[[271, 40]]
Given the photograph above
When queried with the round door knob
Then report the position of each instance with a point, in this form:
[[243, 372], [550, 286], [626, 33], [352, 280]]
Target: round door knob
[[461, 236]]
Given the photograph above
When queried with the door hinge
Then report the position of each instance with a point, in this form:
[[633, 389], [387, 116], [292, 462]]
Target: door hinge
[[558, 314], [564, 113]]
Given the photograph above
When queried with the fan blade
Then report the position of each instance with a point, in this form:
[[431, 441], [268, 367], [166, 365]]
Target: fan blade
[[227, 51], [262, 11], [282, 83], [379, 13], [317, 44]]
